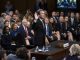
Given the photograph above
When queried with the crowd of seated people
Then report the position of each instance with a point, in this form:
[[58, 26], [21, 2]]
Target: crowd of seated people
[[17, 31], [32, 28]]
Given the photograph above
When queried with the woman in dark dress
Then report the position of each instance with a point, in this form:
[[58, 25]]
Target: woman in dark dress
[[6, 38]]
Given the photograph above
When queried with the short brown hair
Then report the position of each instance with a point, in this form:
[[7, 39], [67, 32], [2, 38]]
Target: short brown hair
[[2, 52], [22, 53]]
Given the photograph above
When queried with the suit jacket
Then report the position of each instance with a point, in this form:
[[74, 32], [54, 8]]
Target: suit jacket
[[61, 27], [39, 32], [56, 19], [21, 35], [74, 23], [39, 28], [49, 30]]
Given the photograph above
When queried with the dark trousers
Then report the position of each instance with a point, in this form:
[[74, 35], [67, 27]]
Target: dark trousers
[[39, 41]]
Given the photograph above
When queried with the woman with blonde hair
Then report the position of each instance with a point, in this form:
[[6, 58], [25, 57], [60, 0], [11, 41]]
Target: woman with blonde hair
[[74, 52]]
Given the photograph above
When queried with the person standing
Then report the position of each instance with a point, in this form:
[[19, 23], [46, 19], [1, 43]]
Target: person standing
[[39, 33]]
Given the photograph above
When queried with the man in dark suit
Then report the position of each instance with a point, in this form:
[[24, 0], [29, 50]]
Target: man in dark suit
[[55, 17], [39, 34], [72, 24], [48, 29], [22, 33], [72, 21], [61, 27]]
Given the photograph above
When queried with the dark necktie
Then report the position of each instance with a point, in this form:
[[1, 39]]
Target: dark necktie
[[42, 22]]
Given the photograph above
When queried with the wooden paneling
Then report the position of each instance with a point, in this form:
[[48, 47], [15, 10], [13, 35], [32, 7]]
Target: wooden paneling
[[23, 5]]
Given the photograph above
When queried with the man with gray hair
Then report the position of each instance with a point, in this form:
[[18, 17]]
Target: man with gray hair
[[22, 33]]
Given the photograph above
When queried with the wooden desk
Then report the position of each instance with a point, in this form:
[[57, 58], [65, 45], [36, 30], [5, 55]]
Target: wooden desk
[[54, 52]]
